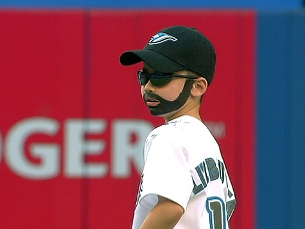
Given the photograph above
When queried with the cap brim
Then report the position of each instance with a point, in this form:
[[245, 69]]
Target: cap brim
[[152, 58]]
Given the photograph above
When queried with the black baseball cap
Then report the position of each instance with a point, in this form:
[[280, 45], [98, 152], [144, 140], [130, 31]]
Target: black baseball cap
[[174, 49]]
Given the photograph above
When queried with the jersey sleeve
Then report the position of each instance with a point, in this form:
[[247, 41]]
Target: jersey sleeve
[[166, 173]]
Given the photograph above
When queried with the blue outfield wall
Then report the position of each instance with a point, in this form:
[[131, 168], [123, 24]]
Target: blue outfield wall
[[260, 5], [280, 120]]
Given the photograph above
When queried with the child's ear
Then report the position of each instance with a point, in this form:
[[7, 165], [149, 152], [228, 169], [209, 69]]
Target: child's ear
[[200, 86]]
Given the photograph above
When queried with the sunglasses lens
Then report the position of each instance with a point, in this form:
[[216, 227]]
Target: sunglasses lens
[[157, 78], [160, 81], [142, 77]]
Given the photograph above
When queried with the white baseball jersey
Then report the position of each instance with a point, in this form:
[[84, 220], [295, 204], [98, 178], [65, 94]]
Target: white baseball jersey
[[183, 163]]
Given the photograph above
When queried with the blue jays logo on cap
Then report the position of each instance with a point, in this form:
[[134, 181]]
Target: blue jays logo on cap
[[160, 38]]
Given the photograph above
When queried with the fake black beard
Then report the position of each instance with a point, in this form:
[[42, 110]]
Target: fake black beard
[[166, 106]]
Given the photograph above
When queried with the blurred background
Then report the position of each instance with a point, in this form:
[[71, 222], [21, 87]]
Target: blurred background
[[73, 124]]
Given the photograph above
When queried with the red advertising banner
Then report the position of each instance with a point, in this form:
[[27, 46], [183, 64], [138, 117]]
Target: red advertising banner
[[73, 124]]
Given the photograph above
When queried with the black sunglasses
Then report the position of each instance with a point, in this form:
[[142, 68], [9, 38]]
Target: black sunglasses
[[159, 79]]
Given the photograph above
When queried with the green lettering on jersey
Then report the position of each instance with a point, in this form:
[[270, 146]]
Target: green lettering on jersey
[[213, 170]]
